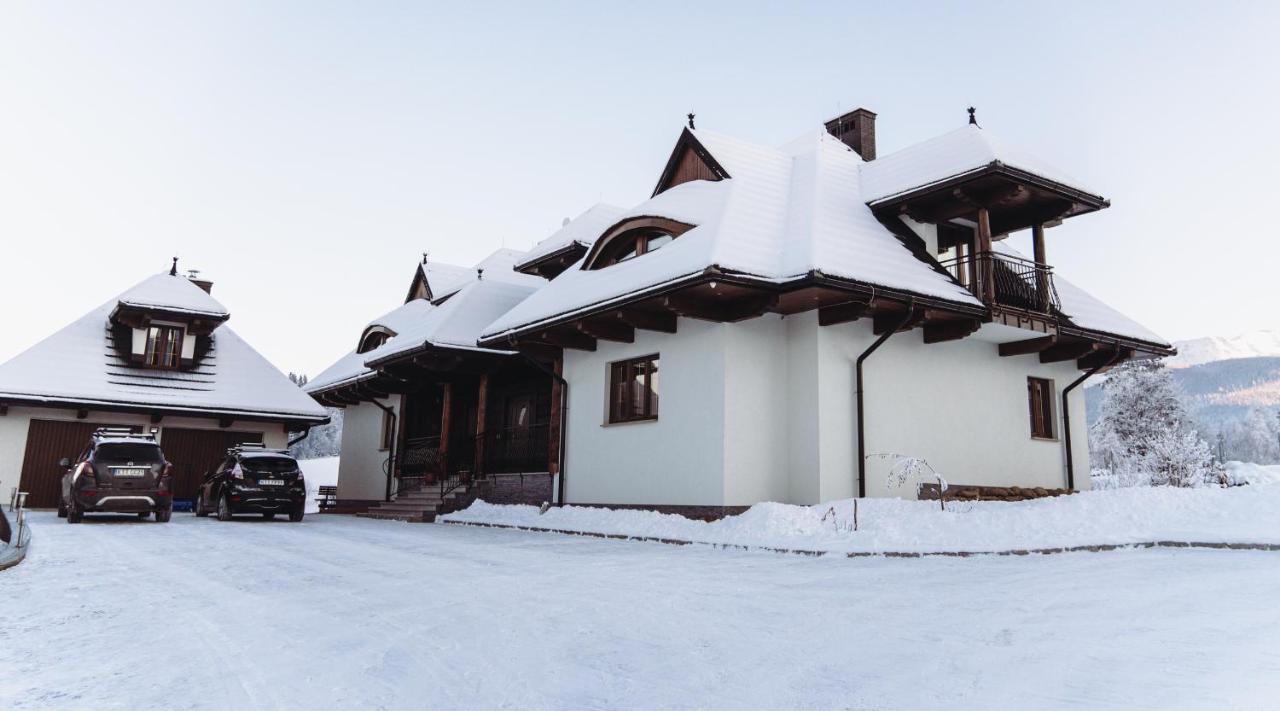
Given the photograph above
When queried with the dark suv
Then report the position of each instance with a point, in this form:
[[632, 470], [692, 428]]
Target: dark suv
[[119, 472], [253, 479]]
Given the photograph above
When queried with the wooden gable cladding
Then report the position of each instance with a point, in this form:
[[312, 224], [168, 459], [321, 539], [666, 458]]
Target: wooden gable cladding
[[689, 161]]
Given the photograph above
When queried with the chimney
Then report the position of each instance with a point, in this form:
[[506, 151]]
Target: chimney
[[857, 129], [193, 275]]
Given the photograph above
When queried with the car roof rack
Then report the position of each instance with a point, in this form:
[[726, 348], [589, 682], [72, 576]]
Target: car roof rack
[[254, 447], [121, 433]]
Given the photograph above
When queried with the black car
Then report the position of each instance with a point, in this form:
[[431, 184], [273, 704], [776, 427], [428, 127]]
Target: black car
[[118, 472], [253, 480]]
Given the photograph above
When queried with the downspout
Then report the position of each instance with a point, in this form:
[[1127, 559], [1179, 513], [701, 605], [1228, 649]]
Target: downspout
[[858, 392], [395, 437], [1066, 415], [298, 439], [564, 410]]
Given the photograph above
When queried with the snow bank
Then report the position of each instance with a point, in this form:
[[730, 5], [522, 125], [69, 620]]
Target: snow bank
[[1123, 516], [1254, 473], [319, 472]]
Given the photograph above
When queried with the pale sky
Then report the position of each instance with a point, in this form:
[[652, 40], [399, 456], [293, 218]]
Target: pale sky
[[303, 155]]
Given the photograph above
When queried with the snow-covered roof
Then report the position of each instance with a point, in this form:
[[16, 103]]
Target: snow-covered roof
[[172, 293], [781, 214], [1087, 312], [581, 230], [446, 279], [950, 155], [350, 367], [456, 324], [80, 365]]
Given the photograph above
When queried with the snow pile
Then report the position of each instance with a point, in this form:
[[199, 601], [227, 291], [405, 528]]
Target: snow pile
[[1254, 473], [1123, 516]]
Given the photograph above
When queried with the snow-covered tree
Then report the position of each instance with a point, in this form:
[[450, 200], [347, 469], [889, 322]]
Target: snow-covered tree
[[322, 440], [1143, 433], [1255, 438]]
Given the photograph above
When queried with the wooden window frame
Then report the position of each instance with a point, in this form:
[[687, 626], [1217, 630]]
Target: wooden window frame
[[1040, 409], [631, 234], [619, 404], [151, 354], [386, 434]]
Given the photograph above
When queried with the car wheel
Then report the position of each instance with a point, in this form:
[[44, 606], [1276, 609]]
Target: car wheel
[[200, 510], [295, 516], [224, 508], [268, 516], [143, 515], [74, 515], [163, 515], [62, 509]]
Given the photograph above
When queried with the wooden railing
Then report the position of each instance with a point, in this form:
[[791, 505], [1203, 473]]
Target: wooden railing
[[1008, 281]]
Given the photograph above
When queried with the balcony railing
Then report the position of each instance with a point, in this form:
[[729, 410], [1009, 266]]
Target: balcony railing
[[1006, 280], [502, 451]]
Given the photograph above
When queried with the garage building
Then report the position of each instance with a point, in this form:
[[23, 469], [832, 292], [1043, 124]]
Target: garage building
[[157, 358]]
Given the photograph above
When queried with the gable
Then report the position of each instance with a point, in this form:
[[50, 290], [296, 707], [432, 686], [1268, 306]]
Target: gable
[[688, 162], [418, 289]]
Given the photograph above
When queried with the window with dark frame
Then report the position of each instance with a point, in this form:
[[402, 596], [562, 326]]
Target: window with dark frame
[[633, 390], [630, 245], [164, 347], [1040, 403], [388, 432]]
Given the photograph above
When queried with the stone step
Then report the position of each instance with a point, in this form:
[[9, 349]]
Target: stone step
[[410, 518], [404, 508]]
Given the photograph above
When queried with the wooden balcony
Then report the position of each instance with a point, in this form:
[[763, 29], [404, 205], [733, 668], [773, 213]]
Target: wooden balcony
[[1003, 281]]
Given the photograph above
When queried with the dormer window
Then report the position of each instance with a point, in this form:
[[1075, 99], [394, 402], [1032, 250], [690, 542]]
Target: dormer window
[[164, 347], [632, 238], [373, 338]]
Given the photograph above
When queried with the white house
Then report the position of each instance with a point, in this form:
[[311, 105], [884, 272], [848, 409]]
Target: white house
[[774, 323], [158, 358]]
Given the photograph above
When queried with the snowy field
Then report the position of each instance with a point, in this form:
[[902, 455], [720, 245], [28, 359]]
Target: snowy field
[[339, 612]]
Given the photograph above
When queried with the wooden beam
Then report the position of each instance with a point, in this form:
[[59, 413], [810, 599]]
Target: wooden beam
[[446, 420], [950, 330], [544, 352], [712, 309], [1068, 351], [557, 414], [569, 339], [225, 422], [987, 274], [156, 417], [82, 414], [608, 330], [1031, 345], [886, 321], [842, 313], [648, 320], [482, 401], [1102, 357]]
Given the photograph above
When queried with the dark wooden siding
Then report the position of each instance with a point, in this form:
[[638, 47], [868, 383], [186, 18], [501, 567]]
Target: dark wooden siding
[[194, 452], [689, 167], [47, 442]]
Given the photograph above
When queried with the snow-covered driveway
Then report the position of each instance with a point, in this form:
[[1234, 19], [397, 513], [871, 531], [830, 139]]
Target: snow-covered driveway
[[339, 612]]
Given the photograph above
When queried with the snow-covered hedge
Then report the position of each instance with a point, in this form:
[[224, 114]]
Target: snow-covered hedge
[[1122, 516]]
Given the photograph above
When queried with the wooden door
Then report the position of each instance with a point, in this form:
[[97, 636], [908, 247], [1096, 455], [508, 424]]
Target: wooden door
[[195, 452], [47, 442]]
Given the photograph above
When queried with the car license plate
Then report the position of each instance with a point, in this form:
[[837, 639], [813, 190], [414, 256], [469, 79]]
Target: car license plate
[[128, 472], [270, 482]]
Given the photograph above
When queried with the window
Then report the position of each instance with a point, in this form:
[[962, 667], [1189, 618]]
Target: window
[[1040, 402], [371, 340], [632, 238], [164, 347], [388, 432], [633, 390]]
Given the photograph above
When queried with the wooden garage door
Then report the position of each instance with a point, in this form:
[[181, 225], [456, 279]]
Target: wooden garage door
[[194, 452], [47, 442]]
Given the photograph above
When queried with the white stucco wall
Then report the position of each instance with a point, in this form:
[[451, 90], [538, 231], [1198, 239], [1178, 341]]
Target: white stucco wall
[[676, 459], [360, 470], [764, 410], [14, 425]]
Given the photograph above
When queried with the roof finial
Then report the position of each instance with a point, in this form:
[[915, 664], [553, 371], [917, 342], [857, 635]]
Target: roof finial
[[173, 271], [424, 257], [479, 273], [691, 120], [973, 118]]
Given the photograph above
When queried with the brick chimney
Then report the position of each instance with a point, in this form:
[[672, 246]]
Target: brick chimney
[[857, 129]]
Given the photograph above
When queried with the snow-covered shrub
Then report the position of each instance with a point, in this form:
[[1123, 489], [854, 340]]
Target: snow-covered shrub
[[1144, 434]]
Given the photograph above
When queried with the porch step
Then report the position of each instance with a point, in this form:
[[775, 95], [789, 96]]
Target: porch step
[[422, 517]]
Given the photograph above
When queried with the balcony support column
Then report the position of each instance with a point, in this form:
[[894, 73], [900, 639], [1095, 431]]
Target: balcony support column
[[987, 272], [446, 412], [1042, 267], [482, 400]]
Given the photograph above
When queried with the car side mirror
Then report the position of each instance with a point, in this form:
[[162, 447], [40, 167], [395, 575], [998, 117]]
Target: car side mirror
[[65, 463]]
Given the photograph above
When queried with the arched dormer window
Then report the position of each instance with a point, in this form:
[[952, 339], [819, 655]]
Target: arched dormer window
[[632, 238], [373, 337]]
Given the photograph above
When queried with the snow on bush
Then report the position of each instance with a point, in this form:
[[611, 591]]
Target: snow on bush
[[1132, 515], [1144, 434]]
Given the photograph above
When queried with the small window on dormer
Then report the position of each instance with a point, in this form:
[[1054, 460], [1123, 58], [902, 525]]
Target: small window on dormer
[[372, 340], [634, 238], [164, 347]]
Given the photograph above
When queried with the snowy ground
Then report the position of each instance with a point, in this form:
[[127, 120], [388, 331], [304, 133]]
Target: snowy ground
[[339, 612], [1245, 514], [322, 471]]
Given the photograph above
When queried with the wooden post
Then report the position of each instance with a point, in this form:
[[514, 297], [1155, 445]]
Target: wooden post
[[446, 409], [961, 267], [553, 428], [984, 248], [482, 399], [1042, 275]]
